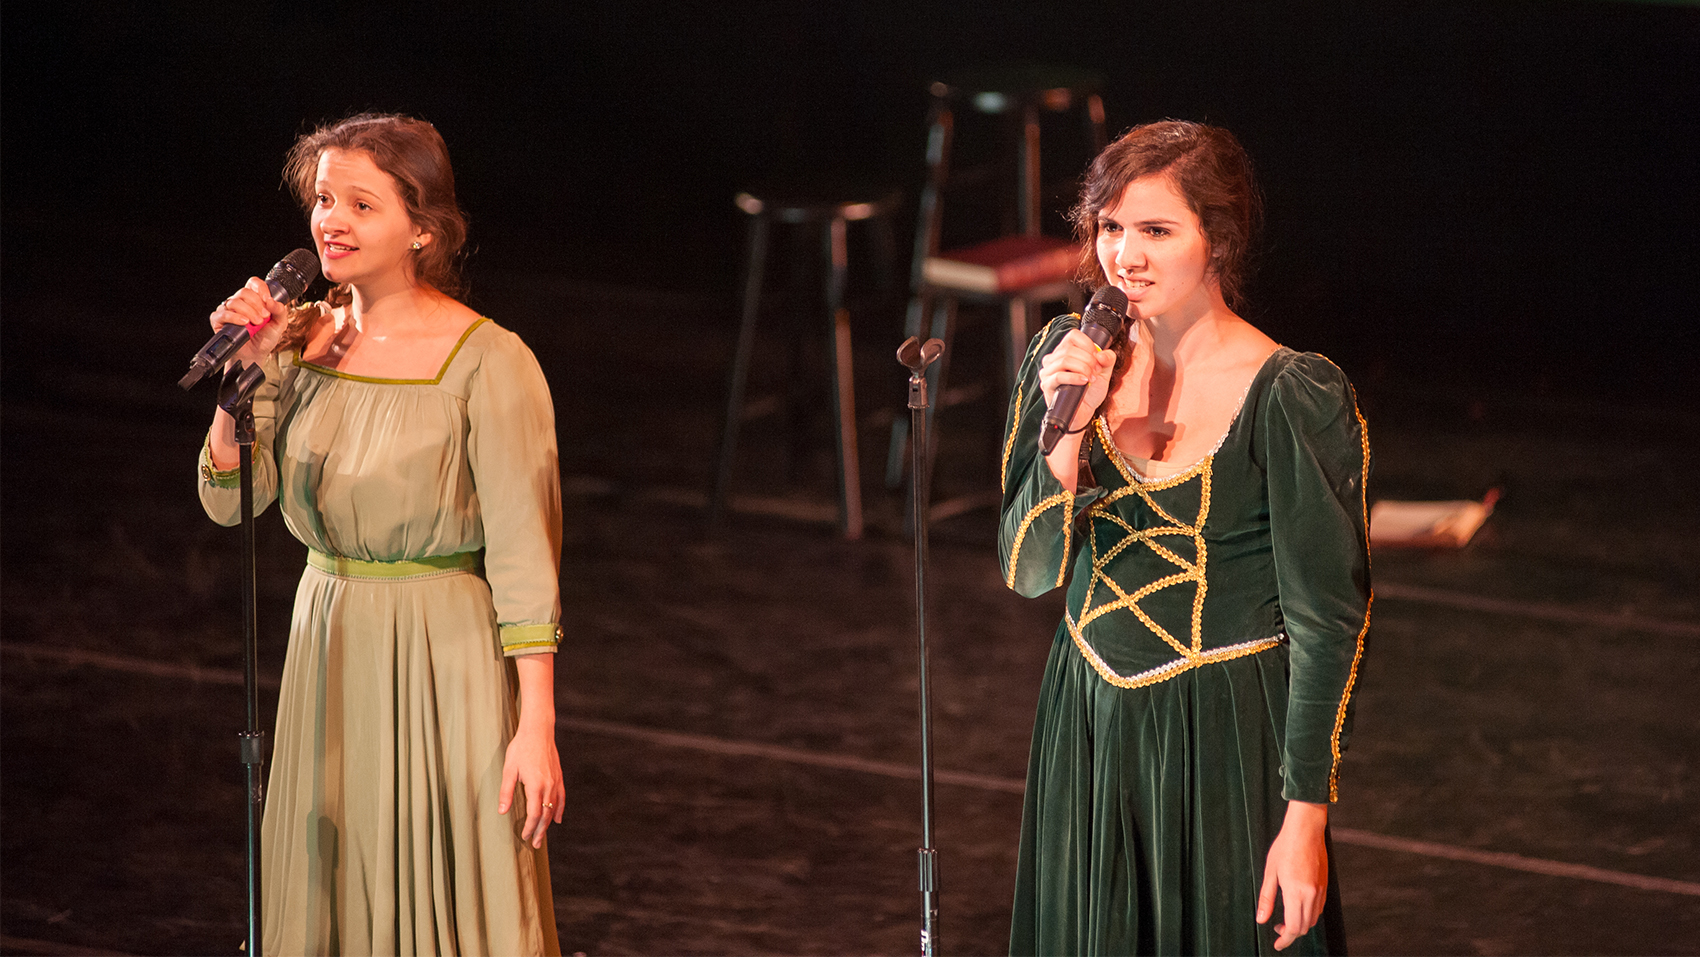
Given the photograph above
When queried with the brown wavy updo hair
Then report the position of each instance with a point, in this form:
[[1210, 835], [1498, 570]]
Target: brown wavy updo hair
[[1211, 171], [414, 155]]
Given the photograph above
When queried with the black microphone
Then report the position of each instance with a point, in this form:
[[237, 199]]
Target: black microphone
[[287, 281], [1102, 323]]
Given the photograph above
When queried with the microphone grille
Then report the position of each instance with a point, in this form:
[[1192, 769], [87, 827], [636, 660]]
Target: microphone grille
[[295, 272], [1107, 309], [1110, 297]]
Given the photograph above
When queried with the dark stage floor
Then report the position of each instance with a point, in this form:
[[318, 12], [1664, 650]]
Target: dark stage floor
[[737, 712]]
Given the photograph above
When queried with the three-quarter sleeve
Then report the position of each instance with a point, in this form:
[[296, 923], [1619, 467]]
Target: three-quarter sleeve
[[1318, 464], [514, 467], [220, 489], [1036, 538]]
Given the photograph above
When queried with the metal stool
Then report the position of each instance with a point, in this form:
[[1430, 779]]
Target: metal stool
[[832, 214], [1025, 92]]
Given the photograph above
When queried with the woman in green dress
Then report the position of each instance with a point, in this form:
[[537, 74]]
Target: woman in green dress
[[411, 446], [1207, 513]]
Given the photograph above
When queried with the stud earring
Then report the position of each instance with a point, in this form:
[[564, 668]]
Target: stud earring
[[416, 245]]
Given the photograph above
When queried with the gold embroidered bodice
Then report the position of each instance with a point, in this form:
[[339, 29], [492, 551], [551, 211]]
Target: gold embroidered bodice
[[1260, 542]]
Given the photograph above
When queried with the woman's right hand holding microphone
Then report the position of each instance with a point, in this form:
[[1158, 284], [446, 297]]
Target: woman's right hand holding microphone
[[249, 306], [1076, 360]]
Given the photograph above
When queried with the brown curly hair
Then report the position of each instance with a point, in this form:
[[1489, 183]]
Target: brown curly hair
[[1211, 171], [413, 153]]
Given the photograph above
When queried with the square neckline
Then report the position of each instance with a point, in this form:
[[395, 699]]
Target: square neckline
[[437, 380], [1124, 462]]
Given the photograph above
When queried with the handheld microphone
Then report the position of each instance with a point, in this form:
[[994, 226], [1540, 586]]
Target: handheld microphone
[[1102, 323], [287, 281]]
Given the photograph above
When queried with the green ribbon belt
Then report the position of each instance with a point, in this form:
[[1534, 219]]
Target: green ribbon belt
[[360, 568]]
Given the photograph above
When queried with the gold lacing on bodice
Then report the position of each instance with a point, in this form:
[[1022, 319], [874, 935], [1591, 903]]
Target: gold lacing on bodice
[[1110, 535]]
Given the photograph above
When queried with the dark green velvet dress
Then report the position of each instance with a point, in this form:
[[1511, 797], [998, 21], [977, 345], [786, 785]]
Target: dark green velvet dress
[[1203, 673]]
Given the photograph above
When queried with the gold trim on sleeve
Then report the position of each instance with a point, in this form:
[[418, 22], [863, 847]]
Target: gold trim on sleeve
[[1065, 497], [1068, 540], [1358, 655], [1018, 411], [1009, 440]]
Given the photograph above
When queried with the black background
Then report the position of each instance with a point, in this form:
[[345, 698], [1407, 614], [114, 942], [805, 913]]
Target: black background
[[1484, 211], [1498, 194]]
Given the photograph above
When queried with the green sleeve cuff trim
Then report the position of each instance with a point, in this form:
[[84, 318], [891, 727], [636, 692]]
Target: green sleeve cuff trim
[[521, 638], [217, 478]]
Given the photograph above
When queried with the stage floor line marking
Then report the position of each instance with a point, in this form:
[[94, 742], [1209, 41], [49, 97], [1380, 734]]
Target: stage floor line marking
[[1516, 862], [1533, 609], [892, 769], [820, 512], [827, 513]]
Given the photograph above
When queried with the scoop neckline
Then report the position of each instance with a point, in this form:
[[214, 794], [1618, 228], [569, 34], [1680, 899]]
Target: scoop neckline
[[1134, 476], [339, 374]]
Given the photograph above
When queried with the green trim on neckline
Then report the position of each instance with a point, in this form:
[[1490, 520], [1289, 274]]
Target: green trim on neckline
[[326, 370]]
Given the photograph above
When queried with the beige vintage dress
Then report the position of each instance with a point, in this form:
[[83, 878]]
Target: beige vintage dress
[[431, 509]]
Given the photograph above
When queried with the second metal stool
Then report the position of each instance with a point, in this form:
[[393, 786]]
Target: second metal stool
[[1019, 271], [831, 214]]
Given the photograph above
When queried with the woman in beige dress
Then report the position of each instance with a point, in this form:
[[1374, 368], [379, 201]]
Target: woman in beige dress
[[410, 444]]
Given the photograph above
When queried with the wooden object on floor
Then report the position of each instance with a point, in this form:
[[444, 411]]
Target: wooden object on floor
[[1450, 524]]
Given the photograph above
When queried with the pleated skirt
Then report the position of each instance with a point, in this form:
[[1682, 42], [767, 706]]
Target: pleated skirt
[[380, 833], [1150, 811]]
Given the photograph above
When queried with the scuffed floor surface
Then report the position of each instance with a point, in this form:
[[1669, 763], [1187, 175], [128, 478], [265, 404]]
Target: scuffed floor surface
[[738, 710]]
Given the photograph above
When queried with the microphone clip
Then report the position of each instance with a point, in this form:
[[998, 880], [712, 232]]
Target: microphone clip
[[916, 356], [236, 396]]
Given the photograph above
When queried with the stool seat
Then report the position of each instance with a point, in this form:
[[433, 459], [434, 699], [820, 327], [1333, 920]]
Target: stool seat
[[1008, 265], [1012, 88], [797, 205], [1024, 267]]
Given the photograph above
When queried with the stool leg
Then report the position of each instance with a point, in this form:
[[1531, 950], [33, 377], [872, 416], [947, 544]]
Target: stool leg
[[1029, 164], [944, 326], [843, 382], [928, 219], [740, 369], [1015, 347], [885, 256], [895, 452], [929, 215], [897, 456]]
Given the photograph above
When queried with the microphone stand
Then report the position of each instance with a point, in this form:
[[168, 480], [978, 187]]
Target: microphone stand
[[916, 356], [236, 396]]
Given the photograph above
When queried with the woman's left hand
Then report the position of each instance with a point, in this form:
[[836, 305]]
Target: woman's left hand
[[532, 759], [534, 763], [1298, 868]]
